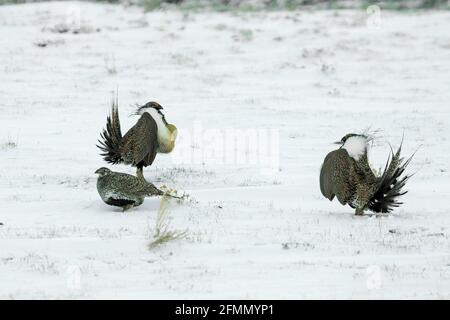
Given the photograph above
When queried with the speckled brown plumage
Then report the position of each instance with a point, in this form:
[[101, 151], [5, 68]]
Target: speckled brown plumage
[[353, 181], [139, 146], [123, 190]]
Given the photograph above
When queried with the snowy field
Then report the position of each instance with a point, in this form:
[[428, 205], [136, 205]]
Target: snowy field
[[304, 78]]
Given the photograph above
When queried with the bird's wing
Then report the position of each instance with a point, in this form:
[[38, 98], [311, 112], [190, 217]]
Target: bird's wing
[[363, 167], [335, 176], [140, 143], [128, 185], [137, 187]]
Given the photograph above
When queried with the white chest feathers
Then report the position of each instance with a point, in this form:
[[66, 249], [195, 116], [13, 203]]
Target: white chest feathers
[[356, 146], [163, 131]]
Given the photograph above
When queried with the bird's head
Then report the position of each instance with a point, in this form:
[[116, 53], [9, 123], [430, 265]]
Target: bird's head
[[103, 171], [152, 105], [350, 135]]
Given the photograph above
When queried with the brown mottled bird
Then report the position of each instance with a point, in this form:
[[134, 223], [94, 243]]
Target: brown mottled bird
[[139, 146], [346, 174], [123, 190]]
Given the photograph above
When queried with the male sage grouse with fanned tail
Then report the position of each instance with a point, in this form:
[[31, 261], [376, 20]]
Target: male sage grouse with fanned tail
[[346, 174], [139, 146], [123, 190]]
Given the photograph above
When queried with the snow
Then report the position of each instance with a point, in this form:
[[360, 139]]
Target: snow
[[258, 227], [356, 146]]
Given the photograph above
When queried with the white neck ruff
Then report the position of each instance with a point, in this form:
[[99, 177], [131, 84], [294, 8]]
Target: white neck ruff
[[356, 146], [163, 131]]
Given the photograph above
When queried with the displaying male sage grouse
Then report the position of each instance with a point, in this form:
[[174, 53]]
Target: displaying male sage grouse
[[123, 190], [139, 146], [346, 174]]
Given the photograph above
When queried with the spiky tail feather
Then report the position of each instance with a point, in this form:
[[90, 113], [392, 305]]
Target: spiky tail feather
[[154, 191], [391, 183], [111, 136]]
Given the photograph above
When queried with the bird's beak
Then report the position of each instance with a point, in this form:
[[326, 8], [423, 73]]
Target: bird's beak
[[96, 172], [337, 142]]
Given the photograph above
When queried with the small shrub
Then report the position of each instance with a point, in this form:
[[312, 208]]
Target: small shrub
[[9, 144], [163, 233], [433, 3]]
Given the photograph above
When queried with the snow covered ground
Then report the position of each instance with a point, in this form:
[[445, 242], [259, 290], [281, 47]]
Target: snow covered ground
[[255, 230]]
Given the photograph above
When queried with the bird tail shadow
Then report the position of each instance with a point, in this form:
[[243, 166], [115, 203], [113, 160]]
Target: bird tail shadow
[[111, 137]]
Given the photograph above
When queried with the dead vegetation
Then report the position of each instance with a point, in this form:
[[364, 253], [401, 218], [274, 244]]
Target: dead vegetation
[[163, 233]]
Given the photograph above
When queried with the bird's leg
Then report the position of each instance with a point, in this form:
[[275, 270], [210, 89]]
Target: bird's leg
[[359, 211], [140, 173], [127, 207]]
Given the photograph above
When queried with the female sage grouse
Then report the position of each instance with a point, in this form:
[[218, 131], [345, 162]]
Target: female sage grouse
[[138, 147], [346, 174], [123, 190]]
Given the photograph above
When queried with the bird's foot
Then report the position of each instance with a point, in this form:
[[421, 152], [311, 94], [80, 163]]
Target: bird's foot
[[127, 207], [359, 212]]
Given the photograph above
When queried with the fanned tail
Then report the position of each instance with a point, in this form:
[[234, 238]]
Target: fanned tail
[[391, 184], [111, 136]]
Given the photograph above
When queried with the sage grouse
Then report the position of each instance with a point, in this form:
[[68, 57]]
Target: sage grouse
[[346, 174], [138, 147], [123, 190]]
